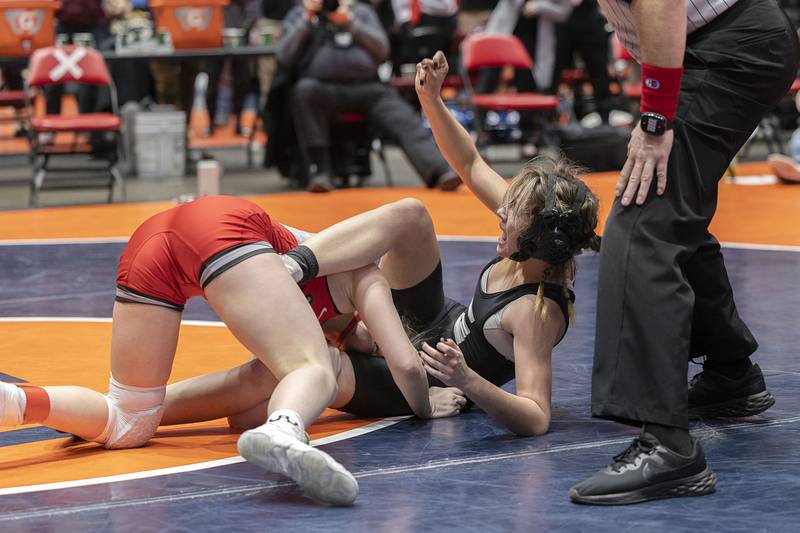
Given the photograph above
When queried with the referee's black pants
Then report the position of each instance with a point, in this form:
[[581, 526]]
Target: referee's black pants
[[664, 294]]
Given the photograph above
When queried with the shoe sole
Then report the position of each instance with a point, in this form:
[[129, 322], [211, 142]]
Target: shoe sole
[[697, 485], [450, 184], [318, 474], [319, 187], [738, 408]]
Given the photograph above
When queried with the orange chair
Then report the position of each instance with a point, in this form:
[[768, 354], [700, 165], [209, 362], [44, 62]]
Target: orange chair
[[486, 50], [77, 64]]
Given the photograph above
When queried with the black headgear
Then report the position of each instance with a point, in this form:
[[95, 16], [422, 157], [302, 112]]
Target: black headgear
[[554, 236]]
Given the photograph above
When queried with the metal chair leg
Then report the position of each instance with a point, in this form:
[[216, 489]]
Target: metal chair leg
[[36, 184], [119, 181]]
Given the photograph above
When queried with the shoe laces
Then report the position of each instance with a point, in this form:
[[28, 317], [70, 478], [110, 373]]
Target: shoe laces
[[628, 457], [699, 360]]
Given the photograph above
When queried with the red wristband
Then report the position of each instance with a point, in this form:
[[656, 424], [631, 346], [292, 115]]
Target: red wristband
[[660, 88]]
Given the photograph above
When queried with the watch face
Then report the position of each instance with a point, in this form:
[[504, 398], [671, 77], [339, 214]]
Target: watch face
[[654, 124]]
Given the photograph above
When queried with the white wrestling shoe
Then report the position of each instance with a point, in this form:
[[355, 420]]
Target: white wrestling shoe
[[317, 473], [11, 405]]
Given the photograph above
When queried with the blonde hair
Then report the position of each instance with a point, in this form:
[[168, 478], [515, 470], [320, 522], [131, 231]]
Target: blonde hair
[[526, 196]]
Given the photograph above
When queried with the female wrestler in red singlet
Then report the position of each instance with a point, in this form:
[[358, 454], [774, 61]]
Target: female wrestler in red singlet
[[224, 249]]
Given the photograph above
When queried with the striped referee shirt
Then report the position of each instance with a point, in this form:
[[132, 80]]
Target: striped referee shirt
[[698, 14]]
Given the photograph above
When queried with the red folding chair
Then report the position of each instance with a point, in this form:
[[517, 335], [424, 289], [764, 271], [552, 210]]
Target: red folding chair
[[486, 50], [76, 64]]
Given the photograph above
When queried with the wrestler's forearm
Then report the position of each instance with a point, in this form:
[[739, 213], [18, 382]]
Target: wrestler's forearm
[[521, 415], [460, 152], [373, 300], [453, 140]]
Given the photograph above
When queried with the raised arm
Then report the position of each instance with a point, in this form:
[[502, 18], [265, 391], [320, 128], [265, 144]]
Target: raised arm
[[453, 140]]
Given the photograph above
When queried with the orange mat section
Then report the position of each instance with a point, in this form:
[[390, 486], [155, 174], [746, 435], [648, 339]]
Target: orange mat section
[[766, 214], [76, 353]]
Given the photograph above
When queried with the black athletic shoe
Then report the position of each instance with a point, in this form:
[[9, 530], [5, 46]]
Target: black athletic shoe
[[647, 470], [320, 183], [712, 395]]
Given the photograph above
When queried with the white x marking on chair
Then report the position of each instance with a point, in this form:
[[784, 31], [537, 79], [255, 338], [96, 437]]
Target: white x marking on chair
[[68, 63]]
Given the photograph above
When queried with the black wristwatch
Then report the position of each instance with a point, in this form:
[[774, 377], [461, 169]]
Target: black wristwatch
[[655, 123]]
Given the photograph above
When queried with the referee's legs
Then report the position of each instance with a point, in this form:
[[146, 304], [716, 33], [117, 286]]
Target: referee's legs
[[658, 257]]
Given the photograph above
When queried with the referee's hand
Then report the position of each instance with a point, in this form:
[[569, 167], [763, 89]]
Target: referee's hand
[[647, 157]]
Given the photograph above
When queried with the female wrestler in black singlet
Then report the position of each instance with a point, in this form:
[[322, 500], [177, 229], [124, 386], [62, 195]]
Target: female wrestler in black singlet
[[522, 301]]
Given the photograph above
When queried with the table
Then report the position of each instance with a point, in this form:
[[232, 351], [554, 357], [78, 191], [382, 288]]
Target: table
[[181, 54]]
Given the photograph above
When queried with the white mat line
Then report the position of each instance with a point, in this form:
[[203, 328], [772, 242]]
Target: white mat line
[[380, 424], [64, 240], [99, 320], [446, 463], [444, 238], [34, 299]]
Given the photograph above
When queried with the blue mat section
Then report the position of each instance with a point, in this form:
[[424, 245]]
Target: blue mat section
[[467, 473], [23, 436]]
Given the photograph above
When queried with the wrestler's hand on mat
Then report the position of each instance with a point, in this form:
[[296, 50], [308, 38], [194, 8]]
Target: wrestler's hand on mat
[[446, 402], [446, 363], [647, 156], [430, 76]]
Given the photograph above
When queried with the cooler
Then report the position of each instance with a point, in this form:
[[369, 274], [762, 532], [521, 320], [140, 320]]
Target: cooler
[[192, 24], [26, 26]]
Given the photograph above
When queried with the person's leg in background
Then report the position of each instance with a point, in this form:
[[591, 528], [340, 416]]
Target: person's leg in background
[[214, 68], [11, 80], [524, 82], [314, 106], [655, 258], [592, 42], [166, 76], [395, 117], [243, 83], [187, 72]]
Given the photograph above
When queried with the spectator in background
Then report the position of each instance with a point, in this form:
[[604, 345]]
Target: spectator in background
[[534, 23], [241, 14], [474, 14], [271, 21], [335, 53], [584, 32], [80, 16], [133, 79], [438, 15], [175, 81]]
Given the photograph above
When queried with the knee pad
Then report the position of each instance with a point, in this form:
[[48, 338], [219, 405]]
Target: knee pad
[[133, 415]]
